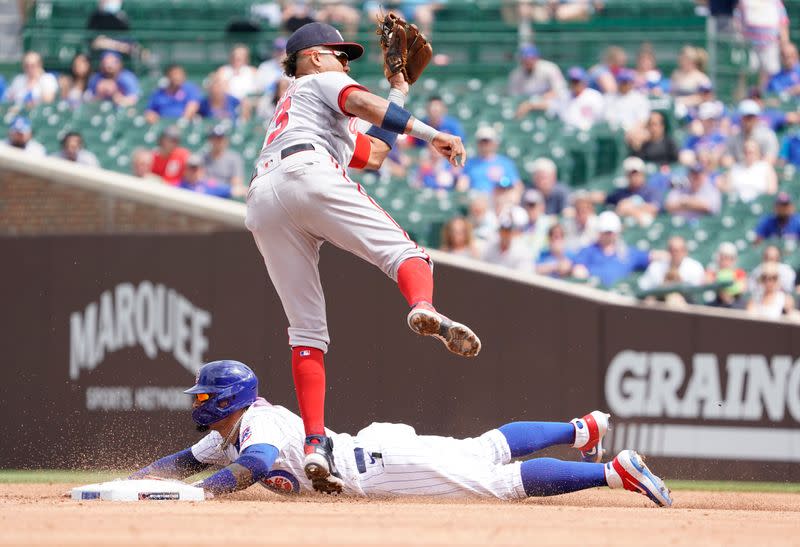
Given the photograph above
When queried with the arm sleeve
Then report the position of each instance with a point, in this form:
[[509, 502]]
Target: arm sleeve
[[251, 466], [151, 104], [361, 152], [642, 260], [179, 465], [761, 228], [333, 89]]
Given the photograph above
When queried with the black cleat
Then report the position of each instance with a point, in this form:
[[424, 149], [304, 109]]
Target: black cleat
[[319, 466]]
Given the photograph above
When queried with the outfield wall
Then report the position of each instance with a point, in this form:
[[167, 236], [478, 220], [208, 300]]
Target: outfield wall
[[100, 333]]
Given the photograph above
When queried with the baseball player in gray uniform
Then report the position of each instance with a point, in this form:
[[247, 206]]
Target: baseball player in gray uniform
[[301, 196], [253, 441]]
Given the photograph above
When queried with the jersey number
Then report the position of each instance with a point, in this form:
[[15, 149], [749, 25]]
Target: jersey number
[[280, 119]]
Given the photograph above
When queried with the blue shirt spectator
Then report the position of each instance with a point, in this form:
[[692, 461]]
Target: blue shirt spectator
[[783, 223], [489, 169], [178, 99], [218, 104], [790, 149], [438, 118], [114, 83], [194, 179], [608, 259], [2, 86]]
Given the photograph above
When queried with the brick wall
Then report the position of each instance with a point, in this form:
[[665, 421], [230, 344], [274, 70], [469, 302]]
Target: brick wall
[[32, 206]]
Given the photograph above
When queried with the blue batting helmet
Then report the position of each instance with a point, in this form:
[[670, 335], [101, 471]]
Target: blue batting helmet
[[231, 386]]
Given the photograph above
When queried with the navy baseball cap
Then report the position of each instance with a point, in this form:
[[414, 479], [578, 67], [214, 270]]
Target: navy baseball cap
[[576, 74], [321, 34], [20, 125], [783, 199]]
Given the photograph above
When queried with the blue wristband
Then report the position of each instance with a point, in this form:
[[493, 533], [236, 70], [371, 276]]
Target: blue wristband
[[381, 134], [395, 119]]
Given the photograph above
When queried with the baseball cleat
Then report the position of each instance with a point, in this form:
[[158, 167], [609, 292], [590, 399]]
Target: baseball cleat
[[319, 467], [589, 433], [426, 321], [629, 471]]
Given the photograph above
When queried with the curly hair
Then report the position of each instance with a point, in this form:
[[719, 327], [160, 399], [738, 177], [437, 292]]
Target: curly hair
[[290, 64]]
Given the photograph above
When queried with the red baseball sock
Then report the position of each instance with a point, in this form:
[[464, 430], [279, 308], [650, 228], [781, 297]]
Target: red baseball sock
[[308, 370], [415, 281]]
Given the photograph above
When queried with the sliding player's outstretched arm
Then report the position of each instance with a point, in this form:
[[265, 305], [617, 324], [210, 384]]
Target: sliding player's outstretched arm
[[175, 466]]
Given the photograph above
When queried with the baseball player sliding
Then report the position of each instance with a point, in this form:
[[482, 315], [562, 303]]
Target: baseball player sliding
[[301, 196], [255, 441]]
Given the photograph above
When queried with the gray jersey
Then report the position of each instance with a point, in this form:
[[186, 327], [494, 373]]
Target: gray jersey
[[312, 111]]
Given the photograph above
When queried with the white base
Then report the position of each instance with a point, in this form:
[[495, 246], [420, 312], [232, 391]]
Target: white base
[[139, 490]]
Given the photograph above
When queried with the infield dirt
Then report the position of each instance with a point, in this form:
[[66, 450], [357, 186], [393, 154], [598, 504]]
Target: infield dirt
[[39, 514]]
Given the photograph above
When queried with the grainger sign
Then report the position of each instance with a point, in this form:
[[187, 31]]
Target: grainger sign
[[746, 406]]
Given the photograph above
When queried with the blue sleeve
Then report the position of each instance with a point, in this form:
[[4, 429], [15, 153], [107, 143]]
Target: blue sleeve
[[193, 92], [583, 256], [204, 110], [151, 104], [641, 260], [257, 458], [129, 82], [784, 153], [762, 229], [179, 465], [92, 85]]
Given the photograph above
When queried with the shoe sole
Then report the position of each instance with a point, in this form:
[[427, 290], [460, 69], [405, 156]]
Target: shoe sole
[[596, 454], [636, 476], [458, 338], [317, 471]]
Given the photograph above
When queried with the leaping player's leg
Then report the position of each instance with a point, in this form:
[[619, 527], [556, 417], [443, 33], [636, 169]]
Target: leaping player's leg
[[291, 256], [353, 221]]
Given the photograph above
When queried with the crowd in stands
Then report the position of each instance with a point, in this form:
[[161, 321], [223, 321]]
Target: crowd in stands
[[528, 221]]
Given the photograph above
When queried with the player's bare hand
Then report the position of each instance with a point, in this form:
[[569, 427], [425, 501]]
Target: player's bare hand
[[451, 148], [398, 81]]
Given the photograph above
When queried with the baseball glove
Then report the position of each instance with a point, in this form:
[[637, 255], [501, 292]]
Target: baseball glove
[[405, 48]]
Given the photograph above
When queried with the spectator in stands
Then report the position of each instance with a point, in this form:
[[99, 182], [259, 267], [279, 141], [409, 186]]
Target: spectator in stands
[[774, 118], [770, 301], [609, 259], [636, 200], [341, 14], [34, 86], [783, 223], [142, 165], [457, 238], [268, 103], [582, 107], [112, 82], [653, 144], [482, 219], [696, 199], [556, 261], [685, 269], [296, 14], [565, 10], [178, 99], [72, 149], [421, 12], [765, 25], [555, 194], [195, 179], [751, 178], [786, 82], [689, 77], [751, 129], [108, 17], [270, 72], [508, 249], [218, 104], [725, 269], [223, 164], [649, 78], [239, 76], [603, 76], [786, 275], [169, 159], [628, 108], [580, 221], [73, 85], [534, 231], [705, 137], [434, 171], [538, 80], [20, 135], [2, 86], [488, 168], [438, 118]]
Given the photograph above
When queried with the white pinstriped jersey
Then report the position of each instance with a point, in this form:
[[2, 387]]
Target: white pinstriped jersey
[[312, 111], [383, 459]]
